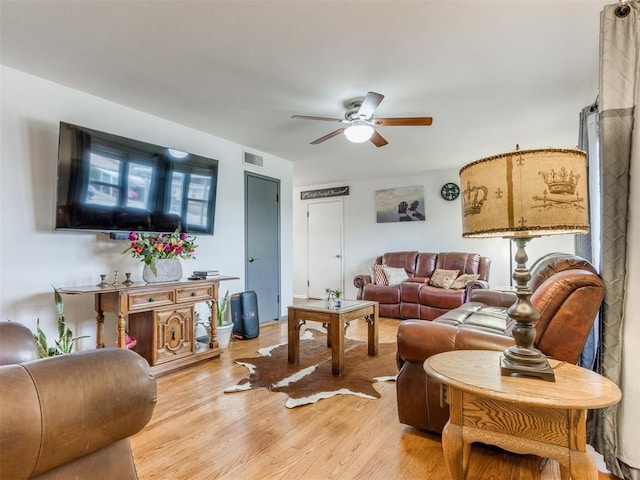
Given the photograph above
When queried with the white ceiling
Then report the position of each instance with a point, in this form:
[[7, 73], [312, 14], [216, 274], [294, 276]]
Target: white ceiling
[[490, 73]]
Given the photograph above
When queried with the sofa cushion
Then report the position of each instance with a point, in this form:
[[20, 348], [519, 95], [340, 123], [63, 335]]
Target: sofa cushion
[[464, 262], [382, 293], [441, 298], [426, 264], [395, 276], [406, 260], [463, 280], [443, 278]]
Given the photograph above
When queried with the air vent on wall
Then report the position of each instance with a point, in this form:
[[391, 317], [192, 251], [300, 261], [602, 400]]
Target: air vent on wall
[[252, 159]]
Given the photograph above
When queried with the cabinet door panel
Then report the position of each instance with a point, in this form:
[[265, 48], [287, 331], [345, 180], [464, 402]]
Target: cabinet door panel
[[174, 334]]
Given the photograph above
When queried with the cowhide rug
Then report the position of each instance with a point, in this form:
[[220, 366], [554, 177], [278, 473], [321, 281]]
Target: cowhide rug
[[312, 380]]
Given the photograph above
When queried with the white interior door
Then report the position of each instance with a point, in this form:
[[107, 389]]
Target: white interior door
[[324, 247]]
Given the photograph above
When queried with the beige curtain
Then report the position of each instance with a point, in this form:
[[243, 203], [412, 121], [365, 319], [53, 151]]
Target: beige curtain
[[617, 429]]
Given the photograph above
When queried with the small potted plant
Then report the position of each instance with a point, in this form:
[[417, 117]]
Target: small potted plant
[[334, 297], [223, 325]]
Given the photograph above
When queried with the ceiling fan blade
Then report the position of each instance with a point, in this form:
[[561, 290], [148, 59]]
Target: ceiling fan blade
[[369, 104], [404, 121], [378, 140], [325, 119], [328, 136]]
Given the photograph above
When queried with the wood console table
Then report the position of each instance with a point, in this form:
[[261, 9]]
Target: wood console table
[[518, 414], [160, 317]]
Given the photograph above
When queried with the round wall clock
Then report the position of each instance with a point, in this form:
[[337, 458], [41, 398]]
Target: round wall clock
[[450, 191]]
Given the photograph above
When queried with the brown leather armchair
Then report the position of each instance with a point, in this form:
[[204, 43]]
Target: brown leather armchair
[[69, 416], [566, 290]]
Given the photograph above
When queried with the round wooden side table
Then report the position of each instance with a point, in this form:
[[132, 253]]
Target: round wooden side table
[[518, 414]]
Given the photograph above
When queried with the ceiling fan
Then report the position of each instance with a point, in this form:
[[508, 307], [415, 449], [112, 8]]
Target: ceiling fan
[[360, 121]]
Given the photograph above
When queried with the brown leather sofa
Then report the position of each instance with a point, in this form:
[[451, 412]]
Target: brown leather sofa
[[415, 298], [69, 416], [566, 290]]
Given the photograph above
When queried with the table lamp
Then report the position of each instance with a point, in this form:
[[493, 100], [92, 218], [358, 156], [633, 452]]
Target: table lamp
[[522, 195]]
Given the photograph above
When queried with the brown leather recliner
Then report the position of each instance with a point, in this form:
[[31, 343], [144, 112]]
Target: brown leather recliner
[[69, 416], [566, 290]]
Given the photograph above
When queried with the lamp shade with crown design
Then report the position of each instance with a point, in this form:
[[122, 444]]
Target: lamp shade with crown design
[[521, 195], [525, 193]]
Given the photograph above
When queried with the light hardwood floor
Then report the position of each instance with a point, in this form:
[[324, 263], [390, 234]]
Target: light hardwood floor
[[197, 432]]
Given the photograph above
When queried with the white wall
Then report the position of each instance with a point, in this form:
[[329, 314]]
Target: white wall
[[33, 257], [440, 232]]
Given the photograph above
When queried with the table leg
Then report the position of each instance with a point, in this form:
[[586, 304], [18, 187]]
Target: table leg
[[294, 338], [456, 453], [213, 337], [582, 466], [372, 331], [337, 346], [122, 326], [100, 330]]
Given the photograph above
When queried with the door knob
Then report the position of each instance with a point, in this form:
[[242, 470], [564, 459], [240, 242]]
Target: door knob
[[252, 259], [338, 256]]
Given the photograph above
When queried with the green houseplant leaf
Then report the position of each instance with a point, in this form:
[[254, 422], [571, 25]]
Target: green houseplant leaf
[[221, 308], [41, 341], [66, 340]]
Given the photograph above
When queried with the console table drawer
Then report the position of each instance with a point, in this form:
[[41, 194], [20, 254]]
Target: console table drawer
[[199, 293], [149, 300]]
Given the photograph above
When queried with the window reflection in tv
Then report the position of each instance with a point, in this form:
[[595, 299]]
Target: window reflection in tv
[[110, 183]]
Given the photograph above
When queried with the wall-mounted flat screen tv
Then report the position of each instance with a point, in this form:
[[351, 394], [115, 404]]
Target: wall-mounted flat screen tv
[[112, 184]]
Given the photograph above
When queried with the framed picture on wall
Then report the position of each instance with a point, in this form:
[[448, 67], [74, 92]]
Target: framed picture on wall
[[402, 204]]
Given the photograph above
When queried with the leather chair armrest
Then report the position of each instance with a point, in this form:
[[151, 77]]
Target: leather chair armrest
[[360, 281], [472, 339], [476, 284], [492, 298], [17, 344], [68, 406], [419, 339]]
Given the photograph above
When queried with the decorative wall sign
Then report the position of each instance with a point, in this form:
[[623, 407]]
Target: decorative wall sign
[[404, 204], [324, 192]]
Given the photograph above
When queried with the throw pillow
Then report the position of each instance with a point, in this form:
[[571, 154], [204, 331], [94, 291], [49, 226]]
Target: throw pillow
[[443, 278], [463, 280], [371, 273], [395, 276], [379, 278]]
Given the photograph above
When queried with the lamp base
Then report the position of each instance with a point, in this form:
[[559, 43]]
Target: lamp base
[[538, 368]]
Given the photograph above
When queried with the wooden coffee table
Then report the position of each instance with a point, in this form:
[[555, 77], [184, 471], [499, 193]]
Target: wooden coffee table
[[335, 320], [518, 414]]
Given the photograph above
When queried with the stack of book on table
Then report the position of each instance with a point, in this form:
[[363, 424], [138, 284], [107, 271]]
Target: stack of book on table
[[205, 274]]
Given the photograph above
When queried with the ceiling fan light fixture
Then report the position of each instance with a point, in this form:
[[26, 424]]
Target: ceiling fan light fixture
[[359, 132], [179, 154]]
